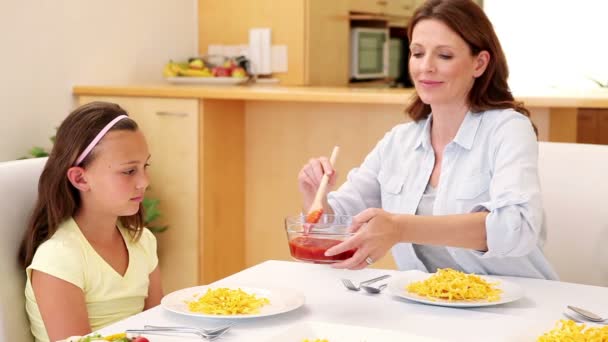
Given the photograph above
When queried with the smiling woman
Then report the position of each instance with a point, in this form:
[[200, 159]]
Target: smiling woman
[[457, 187]]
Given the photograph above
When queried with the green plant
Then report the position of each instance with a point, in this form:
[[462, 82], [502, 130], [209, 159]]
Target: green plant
[[38, 152], [150, 205], [151, 213]]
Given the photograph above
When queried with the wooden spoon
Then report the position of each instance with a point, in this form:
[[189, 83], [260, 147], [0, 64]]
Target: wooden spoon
[[316, 209]]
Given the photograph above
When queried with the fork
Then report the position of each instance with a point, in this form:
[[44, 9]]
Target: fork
[[172, 331], [211, 331], [349, 284]]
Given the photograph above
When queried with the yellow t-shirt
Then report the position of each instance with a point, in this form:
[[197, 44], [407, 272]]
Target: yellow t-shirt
[[109, 296]]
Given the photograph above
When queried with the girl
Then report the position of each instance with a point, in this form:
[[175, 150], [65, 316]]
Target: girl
[[89, 260], [458, 187]]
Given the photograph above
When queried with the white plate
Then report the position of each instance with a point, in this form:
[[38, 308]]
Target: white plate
[[343, 333], [396, 286], [207, 80], [281, 300]]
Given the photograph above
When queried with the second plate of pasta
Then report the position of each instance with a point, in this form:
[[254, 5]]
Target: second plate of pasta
[[232, 302], [434, 289]]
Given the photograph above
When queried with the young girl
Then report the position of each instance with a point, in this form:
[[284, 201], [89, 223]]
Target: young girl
[[89, 260]]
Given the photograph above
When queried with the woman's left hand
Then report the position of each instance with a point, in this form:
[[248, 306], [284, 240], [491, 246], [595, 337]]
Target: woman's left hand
[[376, 231]]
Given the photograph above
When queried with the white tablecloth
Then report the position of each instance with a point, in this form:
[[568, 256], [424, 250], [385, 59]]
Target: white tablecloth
[[327, 300]]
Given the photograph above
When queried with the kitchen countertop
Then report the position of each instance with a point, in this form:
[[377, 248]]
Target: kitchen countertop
[[563, 98]]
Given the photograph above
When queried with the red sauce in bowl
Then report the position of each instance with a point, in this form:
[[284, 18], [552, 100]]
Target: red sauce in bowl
[[313, 249]]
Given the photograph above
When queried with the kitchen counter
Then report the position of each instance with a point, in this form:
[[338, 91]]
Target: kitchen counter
[[545, 98], [247, 145]]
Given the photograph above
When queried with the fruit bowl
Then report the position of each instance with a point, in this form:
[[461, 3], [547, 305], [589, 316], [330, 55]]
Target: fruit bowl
[[308, 242], [210, 69]]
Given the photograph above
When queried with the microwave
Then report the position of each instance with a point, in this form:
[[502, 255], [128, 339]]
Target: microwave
[[369, 53]]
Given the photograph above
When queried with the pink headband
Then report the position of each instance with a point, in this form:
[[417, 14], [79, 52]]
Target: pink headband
[[98, 137]]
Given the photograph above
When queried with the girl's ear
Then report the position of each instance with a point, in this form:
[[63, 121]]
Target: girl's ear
[[481, 63], [77, 178]]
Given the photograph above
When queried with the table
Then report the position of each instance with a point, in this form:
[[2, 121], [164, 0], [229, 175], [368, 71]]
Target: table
[[327, 300]]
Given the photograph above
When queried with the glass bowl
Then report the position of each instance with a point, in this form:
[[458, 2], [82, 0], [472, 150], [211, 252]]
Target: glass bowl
[[310, 246]]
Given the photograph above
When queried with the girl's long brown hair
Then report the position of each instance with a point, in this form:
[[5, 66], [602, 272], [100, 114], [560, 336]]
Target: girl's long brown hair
[[58, 199], [467, 19]]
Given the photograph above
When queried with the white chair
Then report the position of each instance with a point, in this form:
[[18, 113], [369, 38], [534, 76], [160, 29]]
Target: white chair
[[18, 192], [574, 181]]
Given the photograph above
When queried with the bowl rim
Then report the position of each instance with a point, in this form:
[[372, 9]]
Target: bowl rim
[[299, 220]]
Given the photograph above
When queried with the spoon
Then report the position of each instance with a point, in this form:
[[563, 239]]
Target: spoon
[[373, 289], [587, 314], [316, 208]]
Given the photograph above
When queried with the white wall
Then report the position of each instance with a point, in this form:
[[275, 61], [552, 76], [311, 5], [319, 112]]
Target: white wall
[[552, 42], [47, 46]]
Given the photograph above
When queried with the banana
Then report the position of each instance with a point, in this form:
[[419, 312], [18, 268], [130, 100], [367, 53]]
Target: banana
[[168, 70], [195, 73], [177, 67]]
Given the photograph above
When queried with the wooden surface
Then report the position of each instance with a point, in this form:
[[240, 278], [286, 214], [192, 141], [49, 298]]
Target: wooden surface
[[222, 186], [549, 98], [592, 126], [327, 42], [227, 22], [562, 124], [173, 142]]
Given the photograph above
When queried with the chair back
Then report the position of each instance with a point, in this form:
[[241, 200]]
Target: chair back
[[574, 181], [18, 191]]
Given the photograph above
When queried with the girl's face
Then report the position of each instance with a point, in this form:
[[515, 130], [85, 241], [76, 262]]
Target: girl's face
[[441, 64], [117, 177]]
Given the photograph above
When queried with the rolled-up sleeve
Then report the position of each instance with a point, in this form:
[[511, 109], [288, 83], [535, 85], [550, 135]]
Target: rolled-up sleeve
[[513, 225]]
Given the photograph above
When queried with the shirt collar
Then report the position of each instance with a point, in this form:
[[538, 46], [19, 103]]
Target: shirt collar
[[468, 129], [464, 137], [424, 138]]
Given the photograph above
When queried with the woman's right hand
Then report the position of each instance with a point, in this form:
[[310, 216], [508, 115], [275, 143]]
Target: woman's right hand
[[309, 179]]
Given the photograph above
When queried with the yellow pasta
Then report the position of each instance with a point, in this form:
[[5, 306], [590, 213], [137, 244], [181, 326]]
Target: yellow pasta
[[451, 285], [568, 330], [225, 301]]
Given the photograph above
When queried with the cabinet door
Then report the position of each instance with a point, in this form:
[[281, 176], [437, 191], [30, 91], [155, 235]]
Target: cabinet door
[[587, 126], [368, 6], [401, 8], [171, 129]]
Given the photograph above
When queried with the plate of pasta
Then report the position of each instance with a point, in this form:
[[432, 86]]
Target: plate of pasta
[[448, 287], [232, 302]]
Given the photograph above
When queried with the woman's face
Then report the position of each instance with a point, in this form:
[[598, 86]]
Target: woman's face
[[441, 64]]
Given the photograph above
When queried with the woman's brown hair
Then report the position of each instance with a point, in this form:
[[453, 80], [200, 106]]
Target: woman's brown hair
[[58, 199], [467, 19]]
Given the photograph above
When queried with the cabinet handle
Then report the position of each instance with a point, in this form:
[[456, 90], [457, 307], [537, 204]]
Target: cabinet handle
[[180, 114]]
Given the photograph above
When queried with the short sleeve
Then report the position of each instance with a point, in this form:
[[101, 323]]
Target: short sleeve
[[61, 260], [148, 242]]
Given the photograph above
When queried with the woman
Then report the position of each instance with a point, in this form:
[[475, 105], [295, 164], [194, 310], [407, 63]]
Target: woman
[[458, 187]]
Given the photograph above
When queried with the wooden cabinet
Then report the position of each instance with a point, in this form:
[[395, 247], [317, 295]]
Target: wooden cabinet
[[171, 129], [592, 126], [368, 6], [316, 33], [402, 8]]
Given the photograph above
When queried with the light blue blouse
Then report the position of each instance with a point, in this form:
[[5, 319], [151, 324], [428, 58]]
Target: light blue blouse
[[491, 165]]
